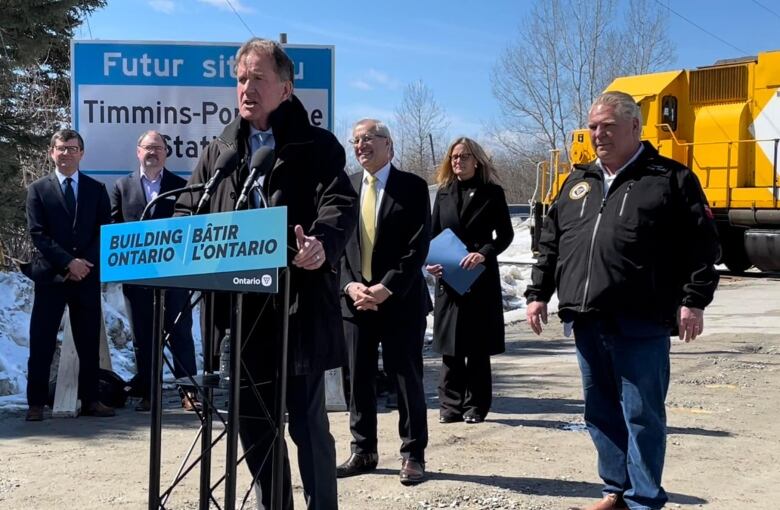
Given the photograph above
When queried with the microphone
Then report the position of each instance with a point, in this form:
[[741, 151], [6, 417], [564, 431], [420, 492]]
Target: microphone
[[261, 165], [226, 165], [173, 192]]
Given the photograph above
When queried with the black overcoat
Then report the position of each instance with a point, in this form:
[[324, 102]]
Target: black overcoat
[[308, 179], [472, 324]]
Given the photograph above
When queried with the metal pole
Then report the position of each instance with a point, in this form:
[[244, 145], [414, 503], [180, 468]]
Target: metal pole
[[728, 177], [774, 176], [277, 493], [207, 307], [282, 38], [231, 456], [433, 154], [156, 415]]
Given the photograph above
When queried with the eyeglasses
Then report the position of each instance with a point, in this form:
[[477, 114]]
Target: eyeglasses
[[67, 149], [364, 139], [463, 157], [152, 148]]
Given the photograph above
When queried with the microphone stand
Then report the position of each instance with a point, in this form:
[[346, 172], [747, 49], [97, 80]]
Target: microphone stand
[[157, 359], [171, 192]]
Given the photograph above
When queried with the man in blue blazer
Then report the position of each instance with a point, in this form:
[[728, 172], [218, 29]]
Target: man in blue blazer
[[130, 196], [65, 210]]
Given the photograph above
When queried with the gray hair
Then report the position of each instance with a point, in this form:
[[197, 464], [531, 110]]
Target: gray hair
[[282, 62], [380, 128], [623, 103], [147, 133]]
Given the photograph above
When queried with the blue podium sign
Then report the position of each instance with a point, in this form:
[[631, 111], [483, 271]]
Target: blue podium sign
[[232, 251]]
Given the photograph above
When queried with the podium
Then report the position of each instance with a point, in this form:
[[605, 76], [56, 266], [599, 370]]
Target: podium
[[236, 253]]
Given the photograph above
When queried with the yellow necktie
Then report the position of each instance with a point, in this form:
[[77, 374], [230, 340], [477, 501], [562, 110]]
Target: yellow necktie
[[368, 226]]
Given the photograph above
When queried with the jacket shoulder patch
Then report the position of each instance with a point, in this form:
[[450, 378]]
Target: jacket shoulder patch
[[579, 190]]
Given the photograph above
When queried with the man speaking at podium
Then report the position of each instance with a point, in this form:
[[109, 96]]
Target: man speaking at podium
[[309, 179]]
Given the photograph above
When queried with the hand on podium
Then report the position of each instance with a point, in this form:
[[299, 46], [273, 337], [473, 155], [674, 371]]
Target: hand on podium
[[311, 254]]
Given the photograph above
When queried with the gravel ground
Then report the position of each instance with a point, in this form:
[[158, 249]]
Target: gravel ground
[[723, 449]]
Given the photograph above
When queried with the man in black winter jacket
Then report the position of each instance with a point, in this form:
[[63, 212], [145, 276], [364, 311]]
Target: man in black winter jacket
[[309, 179], [630, 247]]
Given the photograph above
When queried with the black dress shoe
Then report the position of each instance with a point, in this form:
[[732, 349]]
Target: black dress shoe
[[357, 464], [144, 405], [450, 418], [412, 472], [98, 409], [34, 413], [473, 418]]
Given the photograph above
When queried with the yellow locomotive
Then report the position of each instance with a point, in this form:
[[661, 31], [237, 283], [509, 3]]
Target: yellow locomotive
[[723, 122]]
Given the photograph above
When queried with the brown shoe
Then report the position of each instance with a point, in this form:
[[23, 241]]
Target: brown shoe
[[98, 409], [608, 502], [144, 405], [34, 413], [357, 464], [190, 402], [412, 472]]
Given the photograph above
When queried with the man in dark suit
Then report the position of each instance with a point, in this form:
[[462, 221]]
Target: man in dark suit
[[65, 210], [129, 198], [385, 299]]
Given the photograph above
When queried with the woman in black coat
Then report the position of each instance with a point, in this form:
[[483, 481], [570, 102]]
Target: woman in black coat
[[469, 328]]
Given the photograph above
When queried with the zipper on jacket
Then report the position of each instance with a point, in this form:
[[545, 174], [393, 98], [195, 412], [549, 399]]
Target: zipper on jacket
[[582, 209], [625, 197], [590, 255]]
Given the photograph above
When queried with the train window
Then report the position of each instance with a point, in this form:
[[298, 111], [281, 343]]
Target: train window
[[669, 111]]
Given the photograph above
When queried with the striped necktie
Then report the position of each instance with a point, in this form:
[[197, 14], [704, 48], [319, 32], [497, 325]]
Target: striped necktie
[[368, 226]]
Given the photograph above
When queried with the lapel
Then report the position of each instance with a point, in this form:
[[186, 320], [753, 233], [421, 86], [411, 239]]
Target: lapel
[[467, 201], [56, 190], [166, 181], [478, 202], [474, 205], [83, 197], [137, 193], [388, 201], [352, 250], [448, 205]]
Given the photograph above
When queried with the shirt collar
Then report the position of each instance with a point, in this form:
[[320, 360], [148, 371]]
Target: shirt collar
[[263, 134], [145, 176], [61, 177], [633, 158], [381, 174]]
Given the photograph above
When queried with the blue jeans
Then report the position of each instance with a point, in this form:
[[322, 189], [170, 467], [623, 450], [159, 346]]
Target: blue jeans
[[625, 377]]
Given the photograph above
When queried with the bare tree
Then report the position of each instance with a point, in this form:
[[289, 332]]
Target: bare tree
[[645, 44], [421, 124], [516, 175], [343, 131], [566, 54]]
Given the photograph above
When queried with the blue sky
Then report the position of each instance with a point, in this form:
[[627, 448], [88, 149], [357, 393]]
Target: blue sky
[[452, 46]]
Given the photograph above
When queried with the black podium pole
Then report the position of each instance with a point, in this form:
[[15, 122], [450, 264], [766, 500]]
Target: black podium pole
[[207, 307], [156, 404], [277, 493], [231, 455]]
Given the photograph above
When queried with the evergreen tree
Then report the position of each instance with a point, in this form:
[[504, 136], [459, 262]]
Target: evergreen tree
[[34, 98]]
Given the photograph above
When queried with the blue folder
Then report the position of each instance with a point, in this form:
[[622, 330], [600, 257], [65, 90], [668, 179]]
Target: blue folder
[[446, 249]]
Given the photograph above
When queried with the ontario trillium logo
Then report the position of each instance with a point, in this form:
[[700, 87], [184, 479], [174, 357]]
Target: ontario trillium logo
[[579, 190], [266, 280]]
